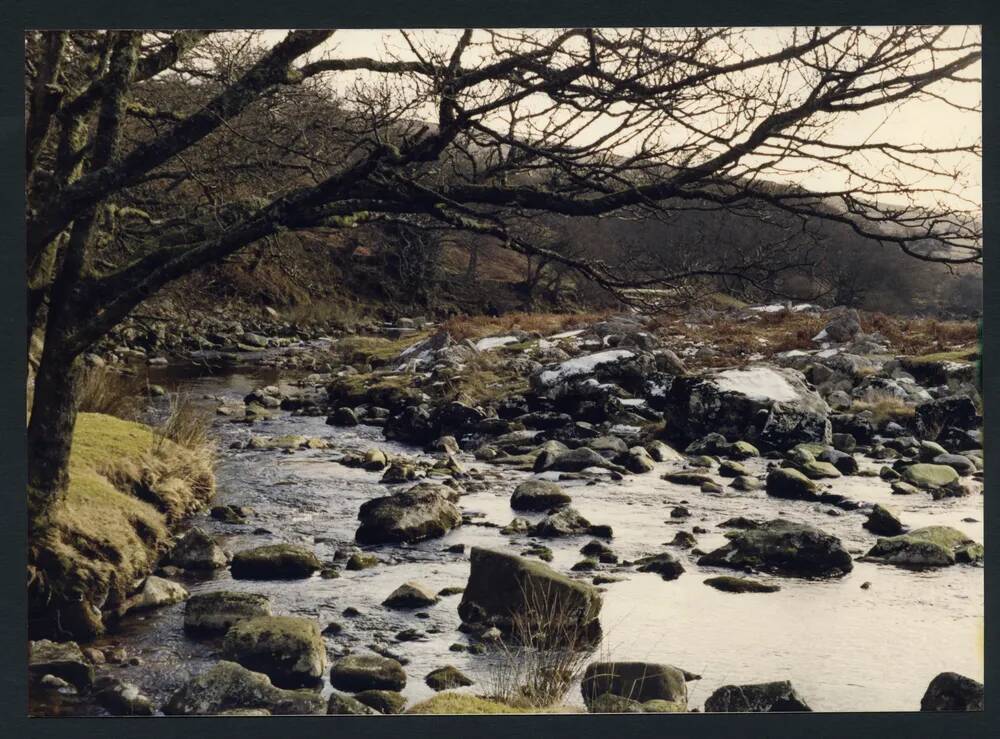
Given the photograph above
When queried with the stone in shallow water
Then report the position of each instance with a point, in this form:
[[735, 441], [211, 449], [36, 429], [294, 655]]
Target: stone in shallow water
[[447, 678], [884, 521], [635, 681], [344, 705], [784, 548], [929, 476], [383, 701], [950, 691], [538, 495], [358, 672], [410, 595], [503, 587], [196, 550], [275, 562], [756, 698], [665, 565], [784, 482], [930, 546], [729, 584], [218, 610], [156, 592], [410, 516], [287, 649], [228, 686]]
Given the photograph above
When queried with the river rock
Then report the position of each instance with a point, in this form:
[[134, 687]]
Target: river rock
[[196, 550], [784, 482], [936, 416], [728, 584], [566, 521], [386, 702], [636, 681], [756, 698], [929, 476], [575, 460], [538, 495], [930, 546], [409, 516], [783, 548], [229, 686], [218, 610], [410, 595], [357, 672], [884, 521], [156, 592], [664, 564], [503, 588], [950, 691], [341, 704], [763, 404], [275, 562], [447, 678], [639, 461], [660, 452], [287, 649], [746, 483], [62, 659]]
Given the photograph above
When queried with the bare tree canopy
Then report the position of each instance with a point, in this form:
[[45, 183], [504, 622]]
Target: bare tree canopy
[[152, 154]]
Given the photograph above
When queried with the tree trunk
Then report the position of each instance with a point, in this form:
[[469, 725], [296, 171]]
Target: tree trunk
[[50, 430]]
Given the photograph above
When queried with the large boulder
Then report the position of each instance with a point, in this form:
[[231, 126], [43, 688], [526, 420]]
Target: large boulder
[[935, 416], [625, 367], [637, 681], [275, 562], [930, 546], [950, 691], [228, 686], [217, 610], [287, 649], [410, 516], [538, 495], [772, 407], [929, 476], [504, 590], [357, 672], [783, 548], [757, 698]]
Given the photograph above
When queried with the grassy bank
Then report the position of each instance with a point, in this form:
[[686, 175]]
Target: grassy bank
[[129, 484], [450, 703]]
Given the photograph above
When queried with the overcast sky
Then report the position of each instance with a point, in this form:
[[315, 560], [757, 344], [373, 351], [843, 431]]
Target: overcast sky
[[927, 122]]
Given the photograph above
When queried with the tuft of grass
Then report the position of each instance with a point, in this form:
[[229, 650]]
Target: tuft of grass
[[885, 407], [325, 313], [102, 390], [375, 350], [465, 703], [958, 355], [545, 653]]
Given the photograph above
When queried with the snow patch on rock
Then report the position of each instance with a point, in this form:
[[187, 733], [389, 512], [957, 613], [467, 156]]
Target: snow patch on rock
[[757, 382]]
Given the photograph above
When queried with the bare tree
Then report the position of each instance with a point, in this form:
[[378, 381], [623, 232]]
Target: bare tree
[[467, 132]]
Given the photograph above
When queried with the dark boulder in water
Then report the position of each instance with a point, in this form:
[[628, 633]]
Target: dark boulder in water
[[411, 516], [950, 691], [783, 548], [757, 698]]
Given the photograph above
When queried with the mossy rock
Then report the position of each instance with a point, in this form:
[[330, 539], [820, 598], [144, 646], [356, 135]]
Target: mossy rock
[[929, 476], [784, 482], [819, 470], [447, 678], [218, 610], [357, 672], [229, 687], [635, 681], [275, 562], [383, 701], [345, 705], [784, 548], [288, 649], [931, 546], [503, 586], [451, 703]]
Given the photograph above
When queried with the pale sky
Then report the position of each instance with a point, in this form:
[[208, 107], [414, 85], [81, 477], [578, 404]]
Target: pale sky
[[927, 122]]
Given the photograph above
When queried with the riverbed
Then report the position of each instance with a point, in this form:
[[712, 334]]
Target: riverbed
[[843, 647]]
